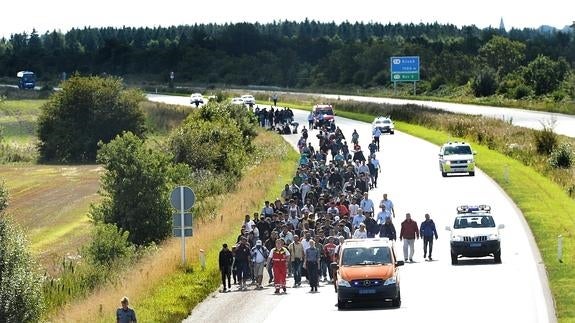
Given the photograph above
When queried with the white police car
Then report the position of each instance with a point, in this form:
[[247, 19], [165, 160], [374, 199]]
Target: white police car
[[475, 234]]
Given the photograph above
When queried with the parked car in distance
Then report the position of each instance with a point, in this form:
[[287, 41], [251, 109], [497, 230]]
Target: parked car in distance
[[238, 101], [249, 99]]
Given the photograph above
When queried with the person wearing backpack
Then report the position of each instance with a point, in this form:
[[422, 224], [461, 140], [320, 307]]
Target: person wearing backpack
[[259, 257]]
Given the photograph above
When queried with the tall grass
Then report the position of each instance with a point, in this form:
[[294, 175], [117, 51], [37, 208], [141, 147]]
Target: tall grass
[[159, 288]]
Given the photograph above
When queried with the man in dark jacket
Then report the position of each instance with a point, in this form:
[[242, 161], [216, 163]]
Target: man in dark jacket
[[387, 230], [428, 231], [371, 226], [225, 261], [409, 232]]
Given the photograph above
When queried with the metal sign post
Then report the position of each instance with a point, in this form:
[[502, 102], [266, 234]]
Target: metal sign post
[[182, 211], [183, 198]]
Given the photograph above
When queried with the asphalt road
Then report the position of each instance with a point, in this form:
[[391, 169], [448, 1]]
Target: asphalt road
[[564, 124], [477, 290]]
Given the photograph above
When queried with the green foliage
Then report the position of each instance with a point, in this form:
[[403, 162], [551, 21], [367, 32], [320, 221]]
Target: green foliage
[[562, 156], [545, 75], [288, 54], [545, 140], [521, 91], [226, 112], [109, 245], [4, 197], [217, 139], [135, 187], [484, 83], [503, 55], [21, 297], [86, 111]]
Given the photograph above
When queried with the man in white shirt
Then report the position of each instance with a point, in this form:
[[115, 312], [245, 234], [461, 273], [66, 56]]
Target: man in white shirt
[[363, 168], [360, 233], [388, 205], [383, 214], [305, 188], [358, 219], [375, 164], [305, 242], [366, 204], [353, 208], [249, 224]]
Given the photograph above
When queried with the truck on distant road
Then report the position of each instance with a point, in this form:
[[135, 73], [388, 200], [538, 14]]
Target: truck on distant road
[[26, 80]]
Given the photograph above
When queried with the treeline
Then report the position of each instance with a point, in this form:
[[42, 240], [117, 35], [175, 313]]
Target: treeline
[[302, 54]]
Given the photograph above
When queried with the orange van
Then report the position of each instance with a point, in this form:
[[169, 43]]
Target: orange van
[[367, 271]]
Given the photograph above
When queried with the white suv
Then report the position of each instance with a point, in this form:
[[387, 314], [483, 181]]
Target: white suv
[[456, 157], [249, 99], [384, 124], [475, 234]]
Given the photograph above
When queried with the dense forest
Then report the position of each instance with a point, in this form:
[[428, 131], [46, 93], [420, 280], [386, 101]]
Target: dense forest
[[305, 54]]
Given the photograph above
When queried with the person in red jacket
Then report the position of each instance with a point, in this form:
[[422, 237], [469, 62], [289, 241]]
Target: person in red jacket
[[409, 232], [278, 259]]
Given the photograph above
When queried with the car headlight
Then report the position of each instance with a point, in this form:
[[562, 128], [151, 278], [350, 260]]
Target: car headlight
[[343, 283], [448, 162], [493, 236], [390, 281], [457, 238], [470, 161]]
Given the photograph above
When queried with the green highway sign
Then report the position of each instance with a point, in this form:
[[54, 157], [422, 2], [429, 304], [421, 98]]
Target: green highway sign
[[405, 77]]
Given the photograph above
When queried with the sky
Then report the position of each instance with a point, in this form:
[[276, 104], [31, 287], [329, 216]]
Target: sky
[[23, 16]]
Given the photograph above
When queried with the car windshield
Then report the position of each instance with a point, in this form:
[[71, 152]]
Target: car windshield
[[366, 256], [328, 112], [479, 221], [457, 150]]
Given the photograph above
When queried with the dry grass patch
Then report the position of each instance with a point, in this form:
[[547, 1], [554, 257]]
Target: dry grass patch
[[143, 282]]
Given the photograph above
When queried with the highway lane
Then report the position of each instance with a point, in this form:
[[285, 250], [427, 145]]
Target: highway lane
[[564, 124], [475, 291]]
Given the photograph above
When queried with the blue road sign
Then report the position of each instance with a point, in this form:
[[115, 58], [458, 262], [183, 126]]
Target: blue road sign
[[405, 64], [404, 68], [188, 195]]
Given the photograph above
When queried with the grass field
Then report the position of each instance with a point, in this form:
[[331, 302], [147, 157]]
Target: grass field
[[18, 120], [49, 202]]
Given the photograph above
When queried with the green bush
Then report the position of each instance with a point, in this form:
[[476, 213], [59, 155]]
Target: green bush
[[109, 245], [135, 187], [545, 75], [86, 111], [545, 140], [485, 83], [21, 298], [562, 156], [217, 138], [522, 91]]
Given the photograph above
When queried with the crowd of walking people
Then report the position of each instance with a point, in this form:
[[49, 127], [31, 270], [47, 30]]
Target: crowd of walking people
[[327, 201]]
